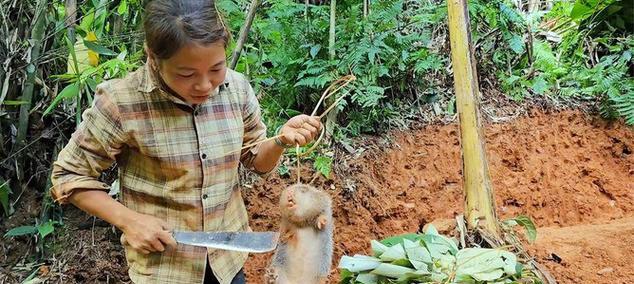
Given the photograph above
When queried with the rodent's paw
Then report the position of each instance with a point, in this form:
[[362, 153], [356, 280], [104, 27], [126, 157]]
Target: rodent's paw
[[287, 237], [270, 275], [321, 222]]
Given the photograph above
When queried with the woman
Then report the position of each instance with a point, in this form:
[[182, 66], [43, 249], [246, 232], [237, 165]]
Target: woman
[[175, 128]]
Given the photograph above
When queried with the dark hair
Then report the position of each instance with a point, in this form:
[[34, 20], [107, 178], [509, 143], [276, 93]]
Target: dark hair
[[171, 24]]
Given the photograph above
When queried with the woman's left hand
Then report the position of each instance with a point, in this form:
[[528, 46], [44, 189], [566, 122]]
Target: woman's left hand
[[301, 129]]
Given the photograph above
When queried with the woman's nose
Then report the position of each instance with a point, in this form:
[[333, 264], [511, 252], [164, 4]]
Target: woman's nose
[[203, 86]]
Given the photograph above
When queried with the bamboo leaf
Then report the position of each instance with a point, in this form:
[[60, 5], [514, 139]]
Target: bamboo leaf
[[14, 103], [70, 91], [123, 7], [99, 48], [5, 190], [21, 231]]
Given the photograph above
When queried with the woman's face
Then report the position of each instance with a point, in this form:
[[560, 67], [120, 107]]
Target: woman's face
[[195, 71]]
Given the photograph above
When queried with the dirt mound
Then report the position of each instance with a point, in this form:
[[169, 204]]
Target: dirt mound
[[560, 169], [596, 253]]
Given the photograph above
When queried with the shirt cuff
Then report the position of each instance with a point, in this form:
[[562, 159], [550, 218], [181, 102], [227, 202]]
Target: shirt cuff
[[62, 191]]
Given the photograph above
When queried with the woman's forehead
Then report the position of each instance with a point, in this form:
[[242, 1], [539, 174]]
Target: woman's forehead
[[195, 56]]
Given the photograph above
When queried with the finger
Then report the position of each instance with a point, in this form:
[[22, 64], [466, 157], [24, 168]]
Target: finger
[[157, 245], [314, 121], [312, 129], [308, 136], [298, 121], [140, 248], [300, 139], [167, 239], [143, 251]]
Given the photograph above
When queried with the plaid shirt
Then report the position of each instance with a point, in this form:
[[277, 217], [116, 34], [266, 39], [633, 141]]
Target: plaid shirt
[[174, 163]]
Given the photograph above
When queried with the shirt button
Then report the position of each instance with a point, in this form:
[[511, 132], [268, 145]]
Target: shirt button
[[204, 156], [205, 196]]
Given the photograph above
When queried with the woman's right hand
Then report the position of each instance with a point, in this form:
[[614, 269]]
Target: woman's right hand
[[146, 234]]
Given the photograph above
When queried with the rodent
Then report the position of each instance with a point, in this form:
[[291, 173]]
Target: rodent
[[304, 252]]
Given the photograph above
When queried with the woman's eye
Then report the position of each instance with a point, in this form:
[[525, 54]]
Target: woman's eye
[[186, 75]]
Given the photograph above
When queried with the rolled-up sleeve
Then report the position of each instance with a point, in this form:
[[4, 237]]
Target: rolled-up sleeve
[[254, 128], [92, 148]]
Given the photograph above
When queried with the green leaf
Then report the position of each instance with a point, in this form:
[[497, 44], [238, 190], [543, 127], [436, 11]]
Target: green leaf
[[431, 230], [14, 103], [283, 170], [73, 63], [70, 91], [323, 164], [527, 223], [314, 50], [367, 278], [516, 43], [417, 254], [399, 239], [437, 244], [92, 84], [123, 7], [378, 248], [99, 49], [391, 270], [480, 264], [393, 253], [21, 231], [358, 263], [346, 277], [5, 190], [87, 20], [46, 228], [540, 86], [582, 9]]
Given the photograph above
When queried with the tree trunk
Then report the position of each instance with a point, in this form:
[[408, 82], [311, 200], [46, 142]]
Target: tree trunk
[[480, 204], [31, 71], [243, 34]]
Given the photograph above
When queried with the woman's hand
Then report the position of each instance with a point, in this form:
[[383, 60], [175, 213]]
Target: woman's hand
[[301, 129], [146, 234]]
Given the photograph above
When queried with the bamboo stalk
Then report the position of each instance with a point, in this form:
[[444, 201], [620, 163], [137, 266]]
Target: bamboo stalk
[[243, 34], [48, 199], [331, 38], [71, 17], [331, 119], [29, 85], [480, 204], [366, 8], [2, 88]]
